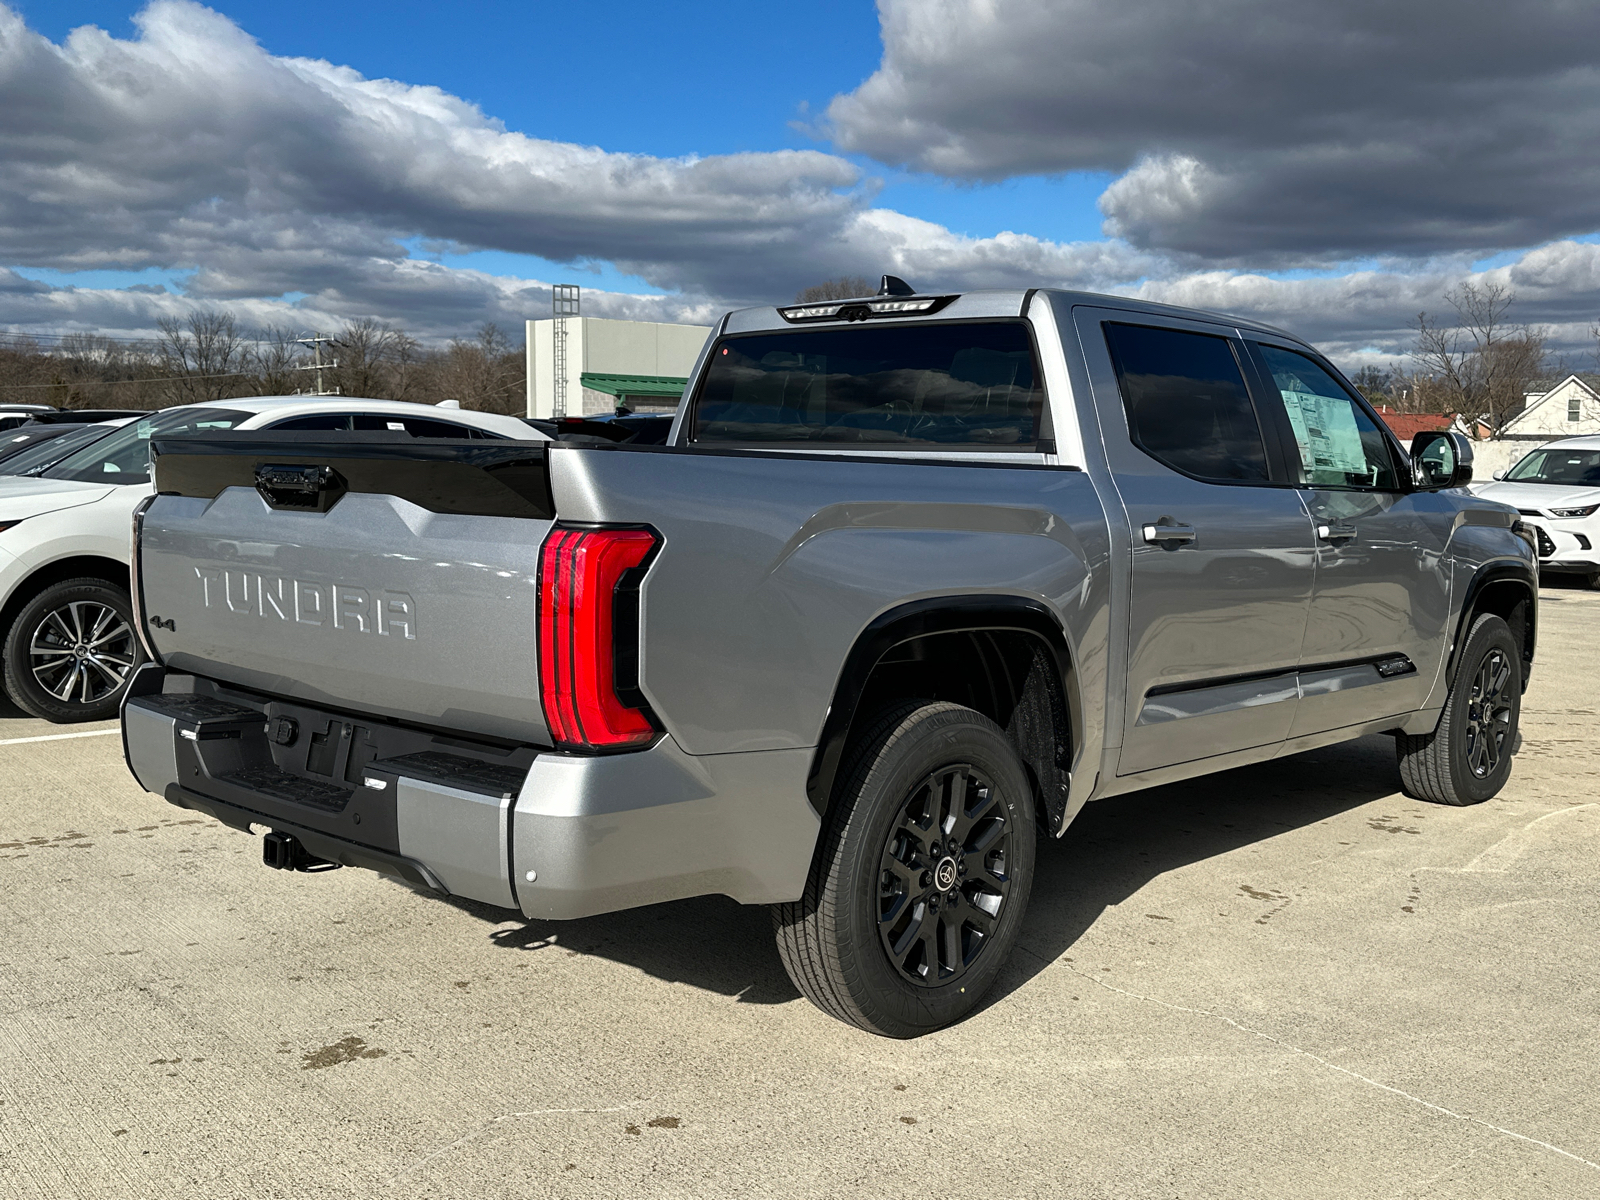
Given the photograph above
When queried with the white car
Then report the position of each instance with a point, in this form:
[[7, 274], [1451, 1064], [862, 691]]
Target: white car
[[1556, 488], [66, 633]]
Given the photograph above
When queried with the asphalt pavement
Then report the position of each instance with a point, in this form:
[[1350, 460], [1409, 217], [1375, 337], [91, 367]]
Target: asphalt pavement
[[1286, 981]]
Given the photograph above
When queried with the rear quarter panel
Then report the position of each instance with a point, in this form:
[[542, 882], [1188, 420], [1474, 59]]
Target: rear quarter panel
[[773, 565]]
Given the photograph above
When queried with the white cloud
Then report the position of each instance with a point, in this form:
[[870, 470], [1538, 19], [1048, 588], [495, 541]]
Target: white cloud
[[1257, 132], [190, 148]]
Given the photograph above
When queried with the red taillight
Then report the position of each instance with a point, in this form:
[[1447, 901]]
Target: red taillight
[[579, 570]]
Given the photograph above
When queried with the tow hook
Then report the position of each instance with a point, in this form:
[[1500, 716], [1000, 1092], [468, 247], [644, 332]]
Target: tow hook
[[283, 852]]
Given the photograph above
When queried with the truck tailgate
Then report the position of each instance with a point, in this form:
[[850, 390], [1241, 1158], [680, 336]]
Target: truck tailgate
[[372, 573]]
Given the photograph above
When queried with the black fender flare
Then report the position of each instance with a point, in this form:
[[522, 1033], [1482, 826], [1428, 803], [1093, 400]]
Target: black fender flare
[[1494, 573], [923, 618]]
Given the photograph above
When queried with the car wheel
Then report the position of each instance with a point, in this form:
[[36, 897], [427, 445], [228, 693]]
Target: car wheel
[[71, 650], [1467, 758], [921, 877]]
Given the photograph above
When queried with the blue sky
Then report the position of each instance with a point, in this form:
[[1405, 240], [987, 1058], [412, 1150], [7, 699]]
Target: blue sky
[[1336, 169], [718, 77]]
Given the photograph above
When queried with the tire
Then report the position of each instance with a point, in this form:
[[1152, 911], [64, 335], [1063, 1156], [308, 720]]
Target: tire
[[71, 650], [1467, 758], [873, 941]]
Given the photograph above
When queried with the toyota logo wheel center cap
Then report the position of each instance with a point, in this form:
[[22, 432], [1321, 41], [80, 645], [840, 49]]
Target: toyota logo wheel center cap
[[944, 875]]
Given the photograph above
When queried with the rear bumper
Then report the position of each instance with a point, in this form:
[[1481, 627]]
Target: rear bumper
[[560, 836]]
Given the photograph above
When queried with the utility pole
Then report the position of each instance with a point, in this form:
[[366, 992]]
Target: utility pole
[[563, 304], [316, 364]]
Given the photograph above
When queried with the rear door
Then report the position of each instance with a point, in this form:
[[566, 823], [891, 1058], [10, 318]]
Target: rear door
[[1380, 612], [1222, 558]]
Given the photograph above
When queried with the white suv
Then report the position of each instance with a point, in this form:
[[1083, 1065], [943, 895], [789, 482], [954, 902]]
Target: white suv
[[1556, 488], [65, 618]]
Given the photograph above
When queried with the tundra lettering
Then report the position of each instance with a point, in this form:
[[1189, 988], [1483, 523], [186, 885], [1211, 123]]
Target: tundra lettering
[[389, 613]]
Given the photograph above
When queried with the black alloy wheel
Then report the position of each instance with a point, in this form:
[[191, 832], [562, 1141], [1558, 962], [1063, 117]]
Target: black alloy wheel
[[1489, 714], [71, 650], [921, 875], [944, 878], [1467, 757]]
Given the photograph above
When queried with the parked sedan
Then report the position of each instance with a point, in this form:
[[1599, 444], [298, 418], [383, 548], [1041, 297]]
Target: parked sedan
[[1556, 488]]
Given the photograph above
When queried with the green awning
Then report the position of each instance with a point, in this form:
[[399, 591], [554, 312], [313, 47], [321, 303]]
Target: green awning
[[635, 385]]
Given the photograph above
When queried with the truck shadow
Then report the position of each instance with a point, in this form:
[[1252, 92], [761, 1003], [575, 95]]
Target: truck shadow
[[1117, 846], [1113, 849]]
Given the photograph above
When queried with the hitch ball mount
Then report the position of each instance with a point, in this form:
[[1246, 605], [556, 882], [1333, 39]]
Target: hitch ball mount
[[283, 852]]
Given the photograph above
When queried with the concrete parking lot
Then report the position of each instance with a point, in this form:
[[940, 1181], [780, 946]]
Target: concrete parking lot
[[1286, 981]]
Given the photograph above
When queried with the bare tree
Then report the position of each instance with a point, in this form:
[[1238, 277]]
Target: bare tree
[[845, 287], [202, 358], [372, 360], [1377, 384], [1481, 365], [483, 373], [272, 362]]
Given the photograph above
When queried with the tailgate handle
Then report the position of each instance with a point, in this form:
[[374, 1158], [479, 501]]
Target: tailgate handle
[[309, 488]]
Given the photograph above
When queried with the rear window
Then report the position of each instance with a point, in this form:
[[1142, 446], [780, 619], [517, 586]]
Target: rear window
[[944, 386]]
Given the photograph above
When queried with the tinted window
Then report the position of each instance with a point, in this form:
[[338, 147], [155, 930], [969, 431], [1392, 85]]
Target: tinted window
[[124, 456], [1558, 466], [315, 421], [1339, 444], [1186, 402], [419, 427], [15, 441], [40, 454], [948, 385]]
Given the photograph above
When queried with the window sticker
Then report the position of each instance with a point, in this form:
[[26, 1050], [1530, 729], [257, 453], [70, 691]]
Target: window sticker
[[1329, 439]]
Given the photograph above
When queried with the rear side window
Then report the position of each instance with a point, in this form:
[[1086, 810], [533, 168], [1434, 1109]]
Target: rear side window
[[950, 385], [417, 427], [317, 421], [1186, 402]]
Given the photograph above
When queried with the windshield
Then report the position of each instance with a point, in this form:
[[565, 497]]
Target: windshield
[[44, 451], [953, 385], [1570, 467], [124, 456]]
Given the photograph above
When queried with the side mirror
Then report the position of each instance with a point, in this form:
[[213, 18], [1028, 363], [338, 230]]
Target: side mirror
[[1441, 459], [1500, 474]]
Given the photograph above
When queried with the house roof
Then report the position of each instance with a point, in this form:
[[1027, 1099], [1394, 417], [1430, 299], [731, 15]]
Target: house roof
[[1588, 383], [1407, 425], [1540, 387]]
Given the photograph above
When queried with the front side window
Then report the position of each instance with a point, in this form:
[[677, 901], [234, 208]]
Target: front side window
[[950, 386], [1339, 444], [1187, 403], [1566, 467], [124, 456]]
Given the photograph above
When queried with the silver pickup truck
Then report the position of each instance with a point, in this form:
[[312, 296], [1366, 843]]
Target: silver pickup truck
[[914, 578]]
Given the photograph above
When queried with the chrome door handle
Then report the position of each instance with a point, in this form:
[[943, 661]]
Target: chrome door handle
[[1336, 533], [1168, 535]]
